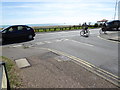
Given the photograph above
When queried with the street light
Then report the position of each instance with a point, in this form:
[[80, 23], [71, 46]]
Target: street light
[[119, 10], [115, 10]]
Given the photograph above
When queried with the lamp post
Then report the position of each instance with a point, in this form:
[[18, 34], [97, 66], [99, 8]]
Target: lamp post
[[119, 10], [115, 10]]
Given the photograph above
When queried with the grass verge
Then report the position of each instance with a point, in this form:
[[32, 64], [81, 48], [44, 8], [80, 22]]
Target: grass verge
[[12, 72]]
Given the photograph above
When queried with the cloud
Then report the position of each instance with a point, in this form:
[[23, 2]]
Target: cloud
[[57, 0], [58, 11], [41, 0]]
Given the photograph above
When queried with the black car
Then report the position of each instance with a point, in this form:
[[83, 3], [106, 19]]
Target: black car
[[17, 32], [112, 26]]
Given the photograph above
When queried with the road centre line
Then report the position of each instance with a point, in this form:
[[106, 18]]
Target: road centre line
[[52, 41], [58, 34], [39, 43], [47, 42], [83, 43], [58, 40], [17, 45]]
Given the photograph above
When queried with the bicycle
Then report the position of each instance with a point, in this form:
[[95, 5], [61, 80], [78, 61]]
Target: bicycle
[[102, 31], [84, 33]]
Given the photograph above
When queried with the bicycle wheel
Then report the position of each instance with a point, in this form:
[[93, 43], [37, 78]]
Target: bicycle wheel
[[88, 33], [81, 33], [102, 31]]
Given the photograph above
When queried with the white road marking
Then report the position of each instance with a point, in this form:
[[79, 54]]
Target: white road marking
[[39, 43], [82, 43], [17, 46], [58, 40], [66, 39], [47, 42]]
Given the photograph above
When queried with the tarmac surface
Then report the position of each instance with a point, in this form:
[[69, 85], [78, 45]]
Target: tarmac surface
[[52, 70], [48, 70]]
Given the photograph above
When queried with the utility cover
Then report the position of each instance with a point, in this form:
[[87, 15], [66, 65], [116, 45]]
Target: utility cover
[[22, 63]]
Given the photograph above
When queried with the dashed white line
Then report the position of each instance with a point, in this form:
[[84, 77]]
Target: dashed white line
[[83, 43], [39, 43], [47, 42], [17, 46], [58, 40]]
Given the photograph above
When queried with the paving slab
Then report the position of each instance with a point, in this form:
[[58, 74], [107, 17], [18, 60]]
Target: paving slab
[[22, 63]]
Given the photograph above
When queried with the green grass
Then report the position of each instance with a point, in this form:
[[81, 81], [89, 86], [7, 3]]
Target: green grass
[[91, 27], [12, 72]]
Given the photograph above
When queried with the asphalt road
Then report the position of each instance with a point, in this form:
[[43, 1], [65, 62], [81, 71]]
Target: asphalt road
[[97, 51]]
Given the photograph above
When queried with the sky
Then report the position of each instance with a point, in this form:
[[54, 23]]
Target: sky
[[56, 11]]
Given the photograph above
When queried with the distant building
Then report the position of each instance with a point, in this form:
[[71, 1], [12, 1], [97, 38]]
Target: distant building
[[119, 10]]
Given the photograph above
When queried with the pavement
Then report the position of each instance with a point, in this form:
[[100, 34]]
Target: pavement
[[113, 36], [52, 70]]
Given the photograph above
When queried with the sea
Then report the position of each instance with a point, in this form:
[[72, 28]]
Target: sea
[[31, 25], [54, 24]]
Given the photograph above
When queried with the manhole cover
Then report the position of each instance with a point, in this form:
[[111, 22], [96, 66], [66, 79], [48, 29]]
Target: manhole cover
[[63, 58]]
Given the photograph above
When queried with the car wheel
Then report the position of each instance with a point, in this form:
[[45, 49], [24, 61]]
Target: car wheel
[[30, 37]]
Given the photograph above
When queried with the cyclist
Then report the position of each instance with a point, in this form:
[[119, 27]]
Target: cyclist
[[104, 28], [85, 28]]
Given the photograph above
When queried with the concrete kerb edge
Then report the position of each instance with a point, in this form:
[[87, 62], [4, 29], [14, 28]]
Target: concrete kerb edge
[[4, 82], [88, 66], [107, 39]]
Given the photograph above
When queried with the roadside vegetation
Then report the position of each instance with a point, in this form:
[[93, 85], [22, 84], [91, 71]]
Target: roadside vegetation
[[61, 28], [12, 72]]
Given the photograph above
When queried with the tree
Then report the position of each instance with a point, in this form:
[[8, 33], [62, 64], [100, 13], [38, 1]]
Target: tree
[[96, 25]]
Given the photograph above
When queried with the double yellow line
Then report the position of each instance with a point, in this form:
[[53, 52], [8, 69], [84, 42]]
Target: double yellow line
[[98, 71]]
